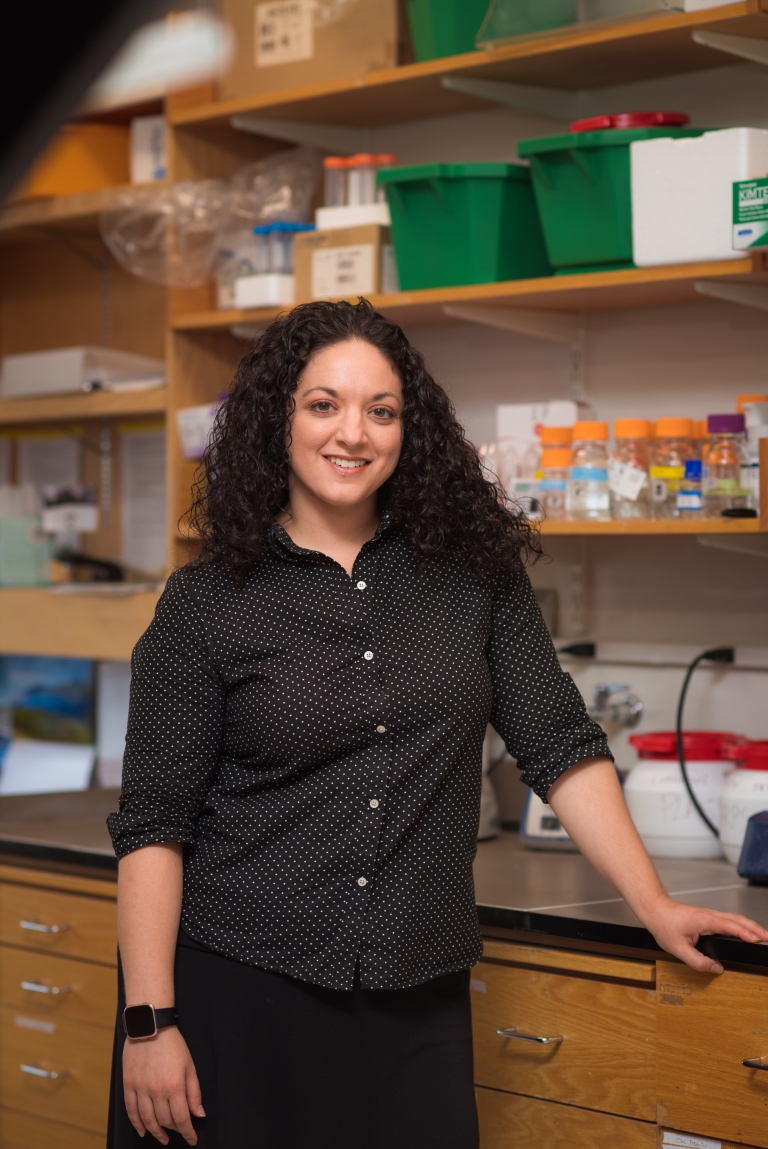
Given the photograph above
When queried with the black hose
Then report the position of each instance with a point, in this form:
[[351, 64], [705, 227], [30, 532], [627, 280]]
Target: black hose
[[718, 654]]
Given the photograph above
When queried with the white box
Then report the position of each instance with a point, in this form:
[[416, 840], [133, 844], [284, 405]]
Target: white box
[[352, 215], [148, 154], [269, 290], [195, 425], [76, 369], [682, 193], [697, 5]]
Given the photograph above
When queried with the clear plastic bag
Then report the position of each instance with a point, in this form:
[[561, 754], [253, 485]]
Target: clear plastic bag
[[280, 187], [168, 235]]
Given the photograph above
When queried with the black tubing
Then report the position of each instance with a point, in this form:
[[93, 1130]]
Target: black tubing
[[719, 654]]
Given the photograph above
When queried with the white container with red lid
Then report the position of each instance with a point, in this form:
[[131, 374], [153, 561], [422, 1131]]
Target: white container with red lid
[[658, 801], [745, 793]]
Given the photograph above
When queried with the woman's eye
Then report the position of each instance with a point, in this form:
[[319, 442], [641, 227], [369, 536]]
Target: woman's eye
[[322, 406], [382, 413]]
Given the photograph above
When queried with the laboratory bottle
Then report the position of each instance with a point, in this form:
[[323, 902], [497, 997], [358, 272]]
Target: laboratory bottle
[[554, 470], [335, 181], [556, 436], [755, 411], [672, 446], [690, 500], [726, 465], [587, 495], [361, 179], [628, 469]]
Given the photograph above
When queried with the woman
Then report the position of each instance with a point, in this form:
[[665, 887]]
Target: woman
[[303, 765]]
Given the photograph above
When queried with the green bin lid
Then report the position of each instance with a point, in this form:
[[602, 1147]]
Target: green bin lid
[[607, 138], [414, 172]]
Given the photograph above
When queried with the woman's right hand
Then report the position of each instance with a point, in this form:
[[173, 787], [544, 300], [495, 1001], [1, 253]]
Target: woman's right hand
[[161, 1086]]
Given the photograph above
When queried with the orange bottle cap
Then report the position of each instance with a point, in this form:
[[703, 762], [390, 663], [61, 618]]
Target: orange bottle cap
[[700, 429], [556, 457], [362, 159], [555, 436], [631, 429], [386, 158], [674, 428], [742, 399], [335, 162], [587, 429]]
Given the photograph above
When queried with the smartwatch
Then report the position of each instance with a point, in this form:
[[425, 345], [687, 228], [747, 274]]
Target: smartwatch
[[144, 1020]]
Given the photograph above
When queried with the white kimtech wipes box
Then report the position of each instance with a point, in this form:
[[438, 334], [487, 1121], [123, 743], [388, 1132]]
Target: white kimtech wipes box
[[682, 193]]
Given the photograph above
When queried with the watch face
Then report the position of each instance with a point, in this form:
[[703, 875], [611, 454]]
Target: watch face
[[139, 1021]]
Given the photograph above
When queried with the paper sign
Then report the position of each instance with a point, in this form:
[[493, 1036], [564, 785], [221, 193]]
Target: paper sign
[[626, 480], [342, 271], [284, 32], [681, 1139], [31, 766]]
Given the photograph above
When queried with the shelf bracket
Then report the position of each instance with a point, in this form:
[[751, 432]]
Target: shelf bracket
[[565, 327], [747, 47], [330, 137], [551, 102], [746, 294], [756, 545]]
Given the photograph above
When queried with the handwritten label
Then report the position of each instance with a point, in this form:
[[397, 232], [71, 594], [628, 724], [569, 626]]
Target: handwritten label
[[341, 271], [625, 480], [685, 1142], [284, 32]]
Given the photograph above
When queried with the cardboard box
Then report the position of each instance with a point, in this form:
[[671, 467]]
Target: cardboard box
[[339, 264], [287, 43], [750, 214], [82, 158]]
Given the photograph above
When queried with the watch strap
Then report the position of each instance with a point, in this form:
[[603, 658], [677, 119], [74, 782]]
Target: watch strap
[[166, 1017]]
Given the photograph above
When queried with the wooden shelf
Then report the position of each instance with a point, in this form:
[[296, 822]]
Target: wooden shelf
[[653, 527], [37, 620], [66, 211], [598, 291], [595, 55], [98, 404]]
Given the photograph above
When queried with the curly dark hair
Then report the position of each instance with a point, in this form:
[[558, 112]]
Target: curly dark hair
[[438, 493]]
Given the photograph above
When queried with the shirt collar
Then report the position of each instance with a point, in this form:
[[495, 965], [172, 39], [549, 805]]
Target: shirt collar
[[282, 541]]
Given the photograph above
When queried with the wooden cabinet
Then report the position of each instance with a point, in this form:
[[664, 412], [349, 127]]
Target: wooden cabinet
[[58, 953], [577, 1037], [509, 1121], [707, 1027]]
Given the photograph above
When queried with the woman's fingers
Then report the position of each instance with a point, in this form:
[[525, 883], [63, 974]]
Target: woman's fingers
[[194, 1095], [149, 1117], [132, 1108], [182, 1123]]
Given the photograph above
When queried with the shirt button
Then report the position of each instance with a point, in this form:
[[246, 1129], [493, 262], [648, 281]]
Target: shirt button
[[368, 655], [362, 881], [374, 803], [381, 730], [361, 585]]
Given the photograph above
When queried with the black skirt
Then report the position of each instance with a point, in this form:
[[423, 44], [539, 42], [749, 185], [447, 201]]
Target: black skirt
[[287, 1065]]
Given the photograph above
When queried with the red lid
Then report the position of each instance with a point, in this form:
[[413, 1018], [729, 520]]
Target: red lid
[[750, 755], [631, 120], [698, 745]]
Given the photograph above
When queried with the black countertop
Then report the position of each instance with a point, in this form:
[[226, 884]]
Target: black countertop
[[542, 896]]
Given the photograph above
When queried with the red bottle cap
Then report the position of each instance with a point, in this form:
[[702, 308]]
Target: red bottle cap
[[698, 745], [631, 120], [750, 755]]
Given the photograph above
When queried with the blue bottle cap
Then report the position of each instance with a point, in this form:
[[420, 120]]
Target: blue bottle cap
[[693, 469]]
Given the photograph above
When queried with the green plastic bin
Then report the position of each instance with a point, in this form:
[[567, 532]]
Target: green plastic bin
[[455, 224], [583, 192], [444, 27]]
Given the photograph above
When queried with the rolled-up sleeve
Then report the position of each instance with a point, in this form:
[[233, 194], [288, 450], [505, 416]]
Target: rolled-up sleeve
[[174, 727], [537, 708]]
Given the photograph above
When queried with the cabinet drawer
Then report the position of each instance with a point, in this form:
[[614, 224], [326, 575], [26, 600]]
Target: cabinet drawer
[[508, 1121], [606, 1059], [54, 922], [81, 1053], [20, 1131], [706, 1027], [58, 988]]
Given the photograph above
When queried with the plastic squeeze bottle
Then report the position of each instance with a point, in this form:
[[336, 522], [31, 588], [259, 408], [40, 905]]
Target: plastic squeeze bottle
[[587, 495], [672, 446], [628, 469]]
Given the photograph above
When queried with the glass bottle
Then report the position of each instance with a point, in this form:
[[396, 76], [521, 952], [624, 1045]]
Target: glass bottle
[[587, 495], [628, 469], [361, 179], [555, 436], [690, 501], [335, 178], [725, 461], [672, 447], [554, 468]]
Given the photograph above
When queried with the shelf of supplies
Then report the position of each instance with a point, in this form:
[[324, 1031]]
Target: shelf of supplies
[[66, 211], [98, 404], [38, 620], [594, 55], [597, 291], [654, 527]]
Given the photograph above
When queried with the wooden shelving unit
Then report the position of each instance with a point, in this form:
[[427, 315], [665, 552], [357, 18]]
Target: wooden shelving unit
[[96, 405], [594, 55], [43, 621], [653, 527], [69, 211]]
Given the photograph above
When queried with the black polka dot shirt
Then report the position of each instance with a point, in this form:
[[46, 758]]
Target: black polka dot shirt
[[316, 742]]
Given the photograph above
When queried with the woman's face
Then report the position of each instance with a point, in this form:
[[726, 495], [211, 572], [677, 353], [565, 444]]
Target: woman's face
[[346, 429]]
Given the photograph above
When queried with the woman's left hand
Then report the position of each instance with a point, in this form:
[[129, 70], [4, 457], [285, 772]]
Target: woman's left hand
[[677, 928]]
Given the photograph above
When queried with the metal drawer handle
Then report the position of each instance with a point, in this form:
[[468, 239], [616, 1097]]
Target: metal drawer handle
[[48, 1074], [512, 1032], [39, 928], [755, 1063], [38, 987]]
